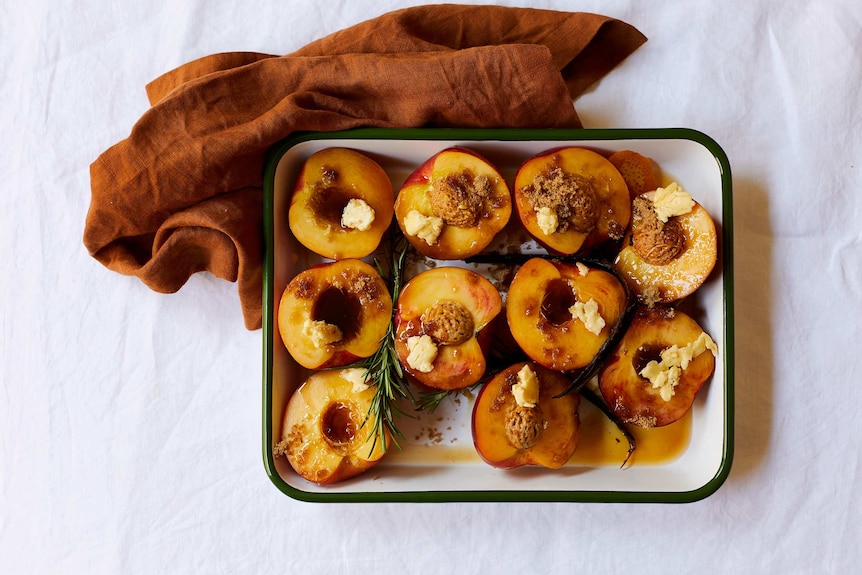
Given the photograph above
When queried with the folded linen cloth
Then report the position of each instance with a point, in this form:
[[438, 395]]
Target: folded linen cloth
[[182, 193]]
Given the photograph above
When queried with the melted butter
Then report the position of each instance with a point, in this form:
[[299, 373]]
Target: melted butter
[[602, 444]]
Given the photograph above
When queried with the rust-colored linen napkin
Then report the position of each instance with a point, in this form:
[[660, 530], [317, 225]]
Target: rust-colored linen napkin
[[182, 193]]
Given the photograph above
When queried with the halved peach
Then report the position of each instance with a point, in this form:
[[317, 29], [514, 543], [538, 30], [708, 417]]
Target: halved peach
[[507, 435], [571, 198], [342, 204], [638, 171], [636, 399], [453, 205], [334, 313], [684, 273], [438, 319], [561, 313], [325, 435]]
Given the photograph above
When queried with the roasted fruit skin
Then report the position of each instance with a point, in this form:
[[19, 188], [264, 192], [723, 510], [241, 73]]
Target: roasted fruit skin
[[456, 366], [325, 436], [560, 426], [347, 292], [538, 299], [632, 396], [638, 171]]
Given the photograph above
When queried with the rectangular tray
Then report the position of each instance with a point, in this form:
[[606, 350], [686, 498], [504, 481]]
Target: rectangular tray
[[438, 462]]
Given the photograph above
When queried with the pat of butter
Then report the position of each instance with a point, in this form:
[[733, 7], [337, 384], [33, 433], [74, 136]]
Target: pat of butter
[[671, 201], [426, 228], [526, 391], [356, 376], [582, 268], [664, 375], [588, 313], [421, 353], [321, 333], [547, 220], [357, 215]]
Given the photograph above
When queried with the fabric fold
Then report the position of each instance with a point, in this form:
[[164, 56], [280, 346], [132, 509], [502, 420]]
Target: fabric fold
[[182, 193]]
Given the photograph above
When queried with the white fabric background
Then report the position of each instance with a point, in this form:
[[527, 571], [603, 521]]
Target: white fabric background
[[130, 421]]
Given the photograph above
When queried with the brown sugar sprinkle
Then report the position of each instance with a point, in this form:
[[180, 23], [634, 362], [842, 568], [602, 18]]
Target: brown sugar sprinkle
[[293, 445], [433, 434], [502, 276], [615, 230], [361, 284], [304, 288], [570, 196], [650, 295], [329, 175], [498, 403], [459, 198], [639, 419], [280, 449], [642, 421]]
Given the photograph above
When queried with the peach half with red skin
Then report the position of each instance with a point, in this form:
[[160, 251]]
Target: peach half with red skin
[[506, 435], [581, 190], [461, 194], [540, 305], [334, 313], [332, 183], [325, 436], [632, 396], [451, 306], [679, 277]]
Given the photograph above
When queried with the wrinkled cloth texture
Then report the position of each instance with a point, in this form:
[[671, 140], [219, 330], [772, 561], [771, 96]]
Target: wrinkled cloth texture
[[182, 193]]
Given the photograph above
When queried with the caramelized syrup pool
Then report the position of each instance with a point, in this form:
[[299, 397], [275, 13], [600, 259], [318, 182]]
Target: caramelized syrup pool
[[328, 204], [339, 308], [602, 444], [338, 424], [559, 297]]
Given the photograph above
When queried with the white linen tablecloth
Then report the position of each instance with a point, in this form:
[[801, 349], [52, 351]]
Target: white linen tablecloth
[[130, 421]]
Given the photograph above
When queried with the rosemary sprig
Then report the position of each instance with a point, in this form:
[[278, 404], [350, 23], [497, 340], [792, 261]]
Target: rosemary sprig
[[430, 400], [382, 369]]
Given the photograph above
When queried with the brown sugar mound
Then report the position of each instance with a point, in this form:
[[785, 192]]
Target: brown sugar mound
[[459, 198], [570, 196]]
